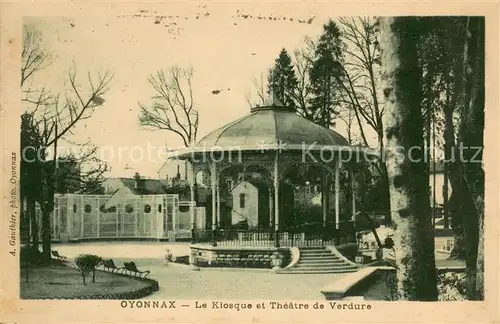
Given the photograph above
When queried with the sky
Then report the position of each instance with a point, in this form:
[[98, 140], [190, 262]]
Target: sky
[[225, 50]]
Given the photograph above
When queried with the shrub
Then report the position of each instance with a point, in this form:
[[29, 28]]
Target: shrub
[[30, 255], [87, 263], [451, 286], [182, 259]]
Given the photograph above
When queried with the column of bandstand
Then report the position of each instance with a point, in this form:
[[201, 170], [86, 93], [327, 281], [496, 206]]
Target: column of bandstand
[[213, 169], [325, 195], [192, 188], [276, 201], [337, 192]]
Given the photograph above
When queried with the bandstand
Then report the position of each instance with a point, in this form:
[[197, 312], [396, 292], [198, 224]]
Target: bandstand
[[280, 150]]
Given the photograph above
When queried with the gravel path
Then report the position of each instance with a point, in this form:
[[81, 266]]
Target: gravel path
[[180, 282]]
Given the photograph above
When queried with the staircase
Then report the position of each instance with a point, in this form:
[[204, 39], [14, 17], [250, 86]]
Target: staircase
[[320, 260]]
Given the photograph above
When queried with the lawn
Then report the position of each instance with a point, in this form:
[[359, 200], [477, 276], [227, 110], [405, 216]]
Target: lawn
[[62, 281]]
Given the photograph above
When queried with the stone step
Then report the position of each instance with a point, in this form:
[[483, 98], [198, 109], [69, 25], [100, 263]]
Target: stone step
[[318, 266], [315, 271], [318, 260], [323, 266], [324, 255], [315, 252], [319, 257], [323, 261], [326, 266], [309, 248]]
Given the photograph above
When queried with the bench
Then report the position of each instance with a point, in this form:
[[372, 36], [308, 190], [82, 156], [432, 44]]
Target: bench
[[132, 268], [58, 256], [109, 265], [339, 287]]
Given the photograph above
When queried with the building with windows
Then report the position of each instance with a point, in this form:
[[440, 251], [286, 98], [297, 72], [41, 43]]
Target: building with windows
[[251, 204], [440, 193]]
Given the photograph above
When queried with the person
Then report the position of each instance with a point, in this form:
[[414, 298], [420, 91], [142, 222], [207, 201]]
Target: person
[[388, 250], [359, 239], [168, 256]]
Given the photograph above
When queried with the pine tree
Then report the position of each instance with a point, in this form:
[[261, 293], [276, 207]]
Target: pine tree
[[282, 77], [324, 73]]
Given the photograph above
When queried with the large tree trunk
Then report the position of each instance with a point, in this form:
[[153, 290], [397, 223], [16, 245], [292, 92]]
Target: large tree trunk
[[408, 181], [47, 206], [466, 173], [457, 206], [46, 244], [472, 138], [385, 194], [445, 196], [31, 210]]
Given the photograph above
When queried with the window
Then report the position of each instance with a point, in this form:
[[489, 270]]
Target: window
[[229, 183], [147, 209], [87, 208], [242, 200], [74, 208], [159, 208], [129, 208]]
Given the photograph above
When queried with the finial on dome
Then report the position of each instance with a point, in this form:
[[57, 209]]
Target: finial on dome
[[273, 100]]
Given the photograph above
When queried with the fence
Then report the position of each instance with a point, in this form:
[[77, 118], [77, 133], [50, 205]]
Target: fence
[[268, 237], [77, 217]]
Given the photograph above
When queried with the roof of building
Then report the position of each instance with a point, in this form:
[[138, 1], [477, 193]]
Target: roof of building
[[272, 124], [145, 186], [257, 183], [443, 232]]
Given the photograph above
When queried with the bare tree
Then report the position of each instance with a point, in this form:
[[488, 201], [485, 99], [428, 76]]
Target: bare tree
[[51, 116], [347, 116], [408, 181], [302, 93], [172, 107], [90, 172], [361, 71], [361, 90], [259, 86], [53, 122], [33, 56]]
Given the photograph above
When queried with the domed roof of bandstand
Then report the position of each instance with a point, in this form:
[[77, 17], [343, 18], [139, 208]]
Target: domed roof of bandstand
[[269, 127], [272, 123]]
